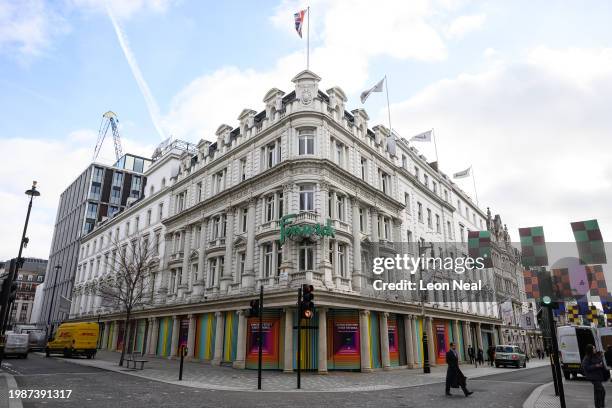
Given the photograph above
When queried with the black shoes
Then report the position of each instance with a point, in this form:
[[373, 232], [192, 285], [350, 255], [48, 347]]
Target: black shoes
[[467, 394]]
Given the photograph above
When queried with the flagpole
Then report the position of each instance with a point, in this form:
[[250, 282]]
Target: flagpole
[[308, 40], [435, 146], [474, 181], [388, 106]]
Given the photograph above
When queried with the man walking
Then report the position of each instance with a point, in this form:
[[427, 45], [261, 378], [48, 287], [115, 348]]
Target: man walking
[[454, 376], [471, 354]]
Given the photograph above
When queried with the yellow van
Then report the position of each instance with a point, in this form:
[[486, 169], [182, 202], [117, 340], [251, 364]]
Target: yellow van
[[72, 339]]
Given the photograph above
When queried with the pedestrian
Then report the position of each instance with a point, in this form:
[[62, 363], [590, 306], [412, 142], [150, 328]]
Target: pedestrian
[[596, 372], [471, 354], [454, 376], [480, 356], [491, 355]]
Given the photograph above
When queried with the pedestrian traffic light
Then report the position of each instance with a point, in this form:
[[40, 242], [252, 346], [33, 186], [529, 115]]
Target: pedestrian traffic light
[[254, 311], [307, 305]]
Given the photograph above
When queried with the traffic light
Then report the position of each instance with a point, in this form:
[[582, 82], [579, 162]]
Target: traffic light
[[307, 305], [254, 311]]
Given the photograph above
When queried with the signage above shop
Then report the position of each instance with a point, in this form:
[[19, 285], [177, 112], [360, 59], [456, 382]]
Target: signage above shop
[[300, 231]]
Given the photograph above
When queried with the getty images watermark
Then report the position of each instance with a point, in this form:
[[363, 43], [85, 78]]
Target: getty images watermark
[[414, 265]]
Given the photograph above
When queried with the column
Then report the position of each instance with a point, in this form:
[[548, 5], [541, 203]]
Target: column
[[154, 335], [182, 288], [175, 337], [288, 349], [500, 335], [456, 337], [384, 341], [248, 277], [226, 279], [241, 341], [479, 336], [356, 230], [191, 333], [322, 351], [218, 339], [495, 336], [408, 329], [430, 342], [415, 342], [199, 285], [364, 340], [104, 342], [115, 336]]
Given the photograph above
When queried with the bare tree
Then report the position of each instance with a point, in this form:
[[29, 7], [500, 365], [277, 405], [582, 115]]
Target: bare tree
[[128, 286]]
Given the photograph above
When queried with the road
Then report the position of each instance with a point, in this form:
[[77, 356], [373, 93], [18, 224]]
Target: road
[[92, 387]]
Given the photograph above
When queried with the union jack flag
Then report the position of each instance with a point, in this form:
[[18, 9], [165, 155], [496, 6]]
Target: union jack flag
[[299, 21]]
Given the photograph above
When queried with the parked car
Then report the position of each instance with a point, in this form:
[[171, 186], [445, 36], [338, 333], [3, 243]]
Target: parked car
[[510, 355], [16, 345], [73, 339], [572, 344]]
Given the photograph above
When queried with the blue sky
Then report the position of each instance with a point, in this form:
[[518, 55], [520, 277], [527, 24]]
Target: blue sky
[[520, 89]]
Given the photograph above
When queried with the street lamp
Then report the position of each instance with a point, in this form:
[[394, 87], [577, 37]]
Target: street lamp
[[426, 367], [24, 243], [57, 269]]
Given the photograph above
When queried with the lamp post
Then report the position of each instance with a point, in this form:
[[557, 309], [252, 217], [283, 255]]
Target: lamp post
[[13, 273], [58, 268], [426, 367]]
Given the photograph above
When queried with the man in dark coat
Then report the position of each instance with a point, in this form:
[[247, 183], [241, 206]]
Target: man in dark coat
[[471, 354], [454, 376]]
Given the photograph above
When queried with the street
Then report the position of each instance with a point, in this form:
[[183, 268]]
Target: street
[[92, 387]]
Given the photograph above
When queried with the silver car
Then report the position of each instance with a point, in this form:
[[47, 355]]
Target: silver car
[[16, 345], [509, 355]]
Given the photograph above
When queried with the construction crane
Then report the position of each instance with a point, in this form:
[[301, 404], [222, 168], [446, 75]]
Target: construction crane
[[109, 119]]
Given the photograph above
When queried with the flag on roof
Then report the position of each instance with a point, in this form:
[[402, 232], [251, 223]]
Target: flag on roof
[[463, 173], [376, 88], [299, 21], [422, 137]]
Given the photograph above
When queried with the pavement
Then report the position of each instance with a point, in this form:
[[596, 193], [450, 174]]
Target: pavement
[[206, 376], [578, 394], [93, 387]]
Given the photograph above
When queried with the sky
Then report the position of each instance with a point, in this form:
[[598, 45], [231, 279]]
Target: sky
[[521, 91]]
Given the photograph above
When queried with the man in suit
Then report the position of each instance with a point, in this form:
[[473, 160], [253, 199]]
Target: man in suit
[[454, 376]]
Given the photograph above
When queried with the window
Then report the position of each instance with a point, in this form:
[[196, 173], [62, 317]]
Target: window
[[199, 192], [242, 167], [180, 201], [387, 228], [361, 220], [407, 201], [385, 182], [115, 196], [113, 210], [279, 258], [446, 195], [137, 224], [194, 272], [148, 217], [340, 207], [218, 227], [307, 197], [281, 204], [272, 154], [416, 173], [434, 187], [364, 168], [98, 175], [157, 243], [136, 184], [95, 191], [244, 219], [461, 232], [127, 228], [420, 212], [212, 268], [92, 210], [306, 141], [306, 261], [404, 161], [117, 179], [340, 153], [269, 208], [241, 264], [426, 180], [409, 236], [267, 259], [160, 211], [197, 232], [39, 278], [437, 223], [342, 260]]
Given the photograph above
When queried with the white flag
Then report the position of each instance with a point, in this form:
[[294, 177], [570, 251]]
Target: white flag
[[464, 173], [422, 137], [376, 88]]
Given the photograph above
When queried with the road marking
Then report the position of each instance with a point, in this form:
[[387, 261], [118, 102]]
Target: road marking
[[506, 382], [58, 373]]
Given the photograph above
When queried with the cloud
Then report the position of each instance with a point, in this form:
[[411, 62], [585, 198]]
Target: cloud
[[463, 25], [345, 38], [536, 130], [53, 164], [27, 28]]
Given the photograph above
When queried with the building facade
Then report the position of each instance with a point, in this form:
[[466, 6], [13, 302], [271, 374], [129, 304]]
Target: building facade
[[96, 194], [31, 274], [304, 192]]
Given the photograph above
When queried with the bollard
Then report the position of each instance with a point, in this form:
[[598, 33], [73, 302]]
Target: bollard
[[183, 353]]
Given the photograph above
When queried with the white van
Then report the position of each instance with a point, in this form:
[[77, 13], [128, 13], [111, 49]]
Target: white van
[[572, 344]]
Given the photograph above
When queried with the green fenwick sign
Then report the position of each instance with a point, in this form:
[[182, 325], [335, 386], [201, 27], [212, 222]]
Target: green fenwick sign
[[287, 230]]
